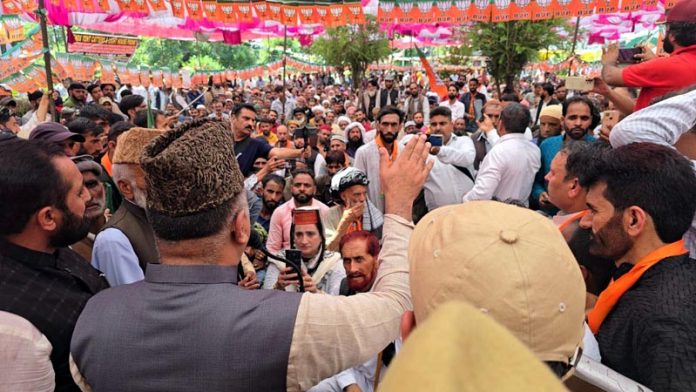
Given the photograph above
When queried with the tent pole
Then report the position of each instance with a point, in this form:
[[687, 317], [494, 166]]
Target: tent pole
[[41, 13]]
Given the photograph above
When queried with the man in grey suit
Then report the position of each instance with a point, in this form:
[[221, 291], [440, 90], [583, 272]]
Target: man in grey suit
[[189, 327]]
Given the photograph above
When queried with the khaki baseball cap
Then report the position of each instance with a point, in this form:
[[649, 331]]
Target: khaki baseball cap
[[508, 262]]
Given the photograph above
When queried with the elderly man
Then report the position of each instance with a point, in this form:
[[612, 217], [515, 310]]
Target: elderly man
[[95, 207], [127, 244], [201, 239], [353, 211]]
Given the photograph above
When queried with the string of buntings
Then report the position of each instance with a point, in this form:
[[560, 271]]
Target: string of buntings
[[460, 11], [329, 13], [396, 68], [22, 77]]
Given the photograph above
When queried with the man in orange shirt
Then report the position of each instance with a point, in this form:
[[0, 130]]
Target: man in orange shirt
[[658, 76]]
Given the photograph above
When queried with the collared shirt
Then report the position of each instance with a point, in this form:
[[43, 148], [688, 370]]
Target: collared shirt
[[367, 160], [114, 255], [457, 108], [446, 184], [649, 76], [507, 172], [283, 109], [366, 323], [662, 123], [24, 356], [49, 290], [281, 220]]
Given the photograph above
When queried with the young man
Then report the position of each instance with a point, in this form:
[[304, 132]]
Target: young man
[[452, 102], [389, 120], [272, 186], [473, 103], [641, 203]]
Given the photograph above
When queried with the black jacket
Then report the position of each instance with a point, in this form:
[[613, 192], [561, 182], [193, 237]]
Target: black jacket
[[650, 335]]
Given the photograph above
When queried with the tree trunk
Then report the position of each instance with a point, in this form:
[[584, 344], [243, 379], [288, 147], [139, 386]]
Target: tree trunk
[[357, 73]]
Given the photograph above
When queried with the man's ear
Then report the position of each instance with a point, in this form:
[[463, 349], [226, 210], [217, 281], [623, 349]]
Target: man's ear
[[126, 190], [47, 218], [408, 323], [241, 228], [635, 220]]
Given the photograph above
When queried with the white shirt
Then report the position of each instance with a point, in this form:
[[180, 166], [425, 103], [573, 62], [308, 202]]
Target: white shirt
[[114, 255], [507, 172], [285, 109], [367, 160], [662, 123], [446, 184], [457, 108], [25, 363]]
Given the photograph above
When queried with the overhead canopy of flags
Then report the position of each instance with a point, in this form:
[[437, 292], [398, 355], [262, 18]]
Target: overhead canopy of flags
[[461, 11], [181, 19]]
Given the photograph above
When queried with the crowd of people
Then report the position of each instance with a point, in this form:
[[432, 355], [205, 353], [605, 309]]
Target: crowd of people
[[261, 235]]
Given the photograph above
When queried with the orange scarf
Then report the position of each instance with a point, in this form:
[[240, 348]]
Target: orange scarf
[[572, 219], [395, 150], [611, 295], [106, 162]]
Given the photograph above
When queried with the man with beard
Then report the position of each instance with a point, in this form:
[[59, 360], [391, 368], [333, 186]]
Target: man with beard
[[453, 103], [93, 134], [272, 186], [460, 127], [389, 95], [656, 76], [389, 120], [303, 188], [416, 102], [359, 117], [247, 148], [109, 91], [127, 244], [42, 280], [360, 253], [580, 117], [353, 210], [96, 205], [473, 105], [283, 137], [77, 96], [545, 100], [641, 204]]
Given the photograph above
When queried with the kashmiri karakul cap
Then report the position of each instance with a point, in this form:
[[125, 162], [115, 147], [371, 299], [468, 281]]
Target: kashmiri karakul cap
[[191, 168], [130, 144]]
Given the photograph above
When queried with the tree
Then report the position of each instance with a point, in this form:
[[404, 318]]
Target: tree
[[176, 54], [509, 46], [354, 47]]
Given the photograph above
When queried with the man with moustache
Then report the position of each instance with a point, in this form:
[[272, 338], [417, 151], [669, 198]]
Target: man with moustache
[[303, 189], [389, 95], [360, 253], [546, 99], [656, 76], [272, 186], [248, 149], [454, 104], [580, 117], [127, 244], [389, 120], [96, 205], [42, 282], [473, 105], [641, 203]]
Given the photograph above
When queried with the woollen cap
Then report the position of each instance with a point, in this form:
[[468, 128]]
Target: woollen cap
[[191, 168]]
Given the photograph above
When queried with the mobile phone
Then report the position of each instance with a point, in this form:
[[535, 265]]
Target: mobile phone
[[435, 140], [609, 119], [579, 83], [626, 56]]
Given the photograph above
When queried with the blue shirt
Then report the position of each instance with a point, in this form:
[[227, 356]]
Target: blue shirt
[[113, 255], [549, 148], [248, 150]]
